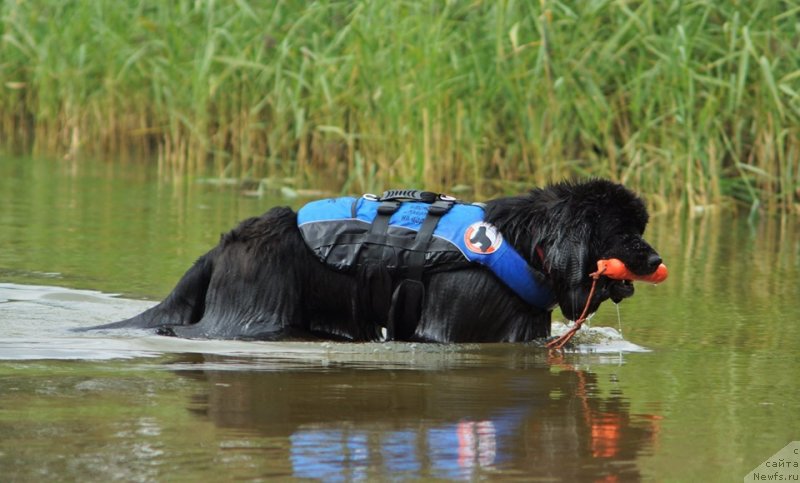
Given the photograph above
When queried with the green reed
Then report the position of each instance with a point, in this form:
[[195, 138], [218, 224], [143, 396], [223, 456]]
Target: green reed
[[694, 102]]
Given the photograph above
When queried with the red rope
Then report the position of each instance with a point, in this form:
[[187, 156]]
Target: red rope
[[562, 340]]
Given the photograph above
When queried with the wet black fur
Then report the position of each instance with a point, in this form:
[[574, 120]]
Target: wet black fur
[[262, 282]]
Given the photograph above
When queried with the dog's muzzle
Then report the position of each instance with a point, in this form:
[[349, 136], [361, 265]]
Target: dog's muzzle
[[619, 290]]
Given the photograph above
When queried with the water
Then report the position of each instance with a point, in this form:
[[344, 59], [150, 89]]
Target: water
[[703, 387]]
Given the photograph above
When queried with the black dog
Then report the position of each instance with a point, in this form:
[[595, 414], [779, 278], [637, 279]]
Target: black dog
[[263, 282]]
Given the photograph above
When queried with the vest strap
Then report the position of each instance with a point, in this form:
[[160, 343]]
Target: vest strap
[[385, 211], [406, 308], [377, 232], [436, 211]]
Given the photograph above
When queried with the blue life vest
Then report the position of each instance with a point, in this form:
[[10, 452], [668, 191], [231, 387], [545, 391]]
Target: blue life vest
[[338, 231]]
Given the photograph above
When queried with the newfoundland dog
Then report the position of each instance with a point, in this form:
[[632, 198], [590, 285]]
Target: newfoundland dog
[[429, 269]]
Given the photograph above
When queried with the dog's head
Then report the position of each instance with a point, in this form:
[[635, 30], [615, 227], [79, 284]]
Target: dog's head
[[587, 222]]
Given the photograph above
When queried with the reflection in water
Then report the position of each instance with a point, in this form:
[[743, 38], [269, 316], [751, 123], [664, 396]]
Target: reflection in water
[[455, 422], [449, 451], [723, 369]]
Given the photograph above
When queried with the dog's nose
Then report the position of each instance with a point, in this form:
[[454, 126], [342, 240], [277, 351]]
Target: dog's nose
[[653, 261]]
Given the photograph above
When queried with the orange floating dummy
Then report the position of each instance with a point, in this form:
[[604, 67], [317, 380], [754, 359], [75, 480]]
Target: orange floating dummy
[[616, 269]]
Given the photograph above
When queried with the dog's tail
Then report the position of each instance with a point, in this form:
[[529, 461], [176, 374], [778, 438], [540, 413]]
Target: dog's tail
[[183, 306]]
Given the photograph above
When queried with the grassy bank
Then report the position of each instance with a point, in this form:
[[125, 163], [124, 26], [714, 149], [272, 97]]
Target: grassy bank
[[696, 102]]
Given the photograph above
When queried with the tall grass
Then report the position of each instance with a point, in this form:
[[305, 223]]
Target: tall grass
[[696, 102]]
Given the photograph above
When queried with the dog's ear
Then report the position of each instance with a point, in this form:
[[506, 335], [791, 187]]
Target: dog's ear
[[568, 256]]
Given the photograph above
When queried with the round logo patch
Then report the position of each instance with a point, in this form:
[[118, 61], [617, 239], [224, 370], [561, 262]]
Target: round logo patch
[[483, 238]]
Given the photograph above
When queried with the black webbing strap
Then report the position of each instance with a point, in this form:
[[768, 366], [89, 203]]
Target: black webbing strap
[[376, 235], [408, 297], [377, 232], [416, 259], [405, 307]]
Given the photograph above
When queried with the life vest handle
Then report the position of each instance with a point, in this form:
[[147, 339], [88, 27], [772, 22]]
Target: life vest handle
[[415, 195]]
